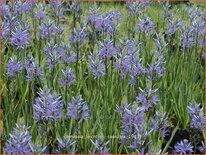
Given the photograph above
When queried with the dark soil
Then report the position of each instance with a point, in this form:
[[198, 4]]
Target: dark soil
[[193, 136]]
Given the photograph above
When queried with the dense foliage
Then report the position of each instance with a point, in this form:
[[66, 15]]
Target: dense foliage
[[102, 77]]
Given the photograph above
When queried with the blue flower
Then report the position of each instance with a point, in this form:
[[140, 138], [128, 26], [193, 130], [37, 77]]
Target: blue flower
[[104, 22], [147, 98], [71, 57], [144, 3], [20, 8], [123, 64], [139, 138], [183, 147], [145, 25], [40, 15], [65, 145], [197, 116], [167, 11], [13, 67], [75, 7], [157, 68], [133, 8], [55, 3], [186, 39], [67, 57], [32, 70], [197, 26], [136, 70], [160, 124], [134, 134], [19, 141], [78, 36], [56, 7], [57, 30], [92, 14], [6, 28], [173, 26], [37, 148], [45, 30], [19, 38], [5, 9], [95, 66], [52, 54], [67, 78], [197, 29], [100, 147], [159, 43], [131, 118], [194, 109], [106, 49], [77, 109], [194, 13], [47, 106]]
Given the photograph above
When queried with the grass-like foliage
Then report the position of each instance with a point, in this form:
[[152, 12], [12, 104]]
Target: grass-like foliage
[[82, 77]]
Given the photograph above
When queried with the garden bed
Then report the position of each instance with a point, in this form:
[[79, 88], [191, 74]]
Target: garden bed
[[100, 78]]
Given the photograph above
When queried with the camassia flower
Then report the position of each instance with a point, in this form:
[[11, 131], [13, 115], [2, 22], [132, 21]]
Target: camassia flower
[[21, 8], [173, 26], [160, 124], [106, 49], [93, 14], [95, 66], [45, 30], [144, 3], [6, 28], [136, 71], [67, 78], [157, 68], [77, 109], [47, 106], [133, 8], [40, 15], [105, 22], [37, 149], [197, 116], [52, 55], [5, 9], [65, 145], [145, 25], [139, 139], [183, 147], [13, 67], [100, 147], [187, 39], [197, 29], [67, 57], [32, 70], [19, 38], [56, 7], [19, 141], [147, 98], [57, 30], [75, 7], [134, 131], [78, 36], [123, 64]]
